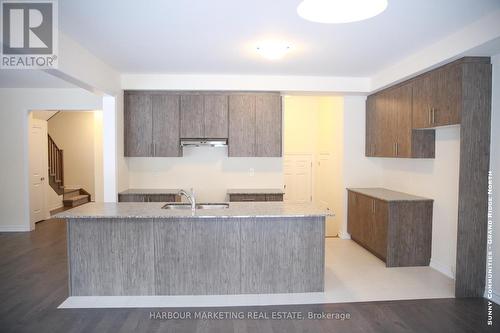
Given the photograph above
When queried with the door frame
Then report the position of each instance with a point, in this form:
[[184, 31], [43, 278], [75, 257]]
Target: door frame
[[45, 209]]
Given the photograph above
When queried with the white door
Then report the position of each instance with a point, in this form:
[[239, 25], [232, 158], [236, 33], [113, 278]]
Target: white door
[[325, 193], [38, 170], [298, 178]]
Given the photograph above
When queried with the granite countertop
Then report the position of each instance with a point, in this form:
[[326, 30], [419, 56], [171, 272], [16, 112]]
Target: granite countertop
[[388, 195], [151, 191], [153, 210], [255, 191]]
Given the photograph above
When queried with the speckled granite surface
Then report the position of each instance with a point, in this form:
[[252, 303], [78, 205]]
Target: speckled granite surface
[[387, 195], [255, 191], [153, 210]]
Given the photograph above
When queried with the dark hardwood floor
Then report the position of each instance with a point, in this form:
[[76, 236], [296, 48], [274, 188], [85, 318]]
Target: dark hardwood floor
[[33, 282]]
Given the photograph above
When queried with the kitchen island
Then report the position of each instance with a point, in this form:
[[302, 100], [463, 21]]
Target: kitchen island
[[117, 249]]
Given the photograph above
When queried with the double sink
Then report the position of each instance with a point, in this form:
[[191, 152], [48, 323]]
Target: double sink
[[188, 206]]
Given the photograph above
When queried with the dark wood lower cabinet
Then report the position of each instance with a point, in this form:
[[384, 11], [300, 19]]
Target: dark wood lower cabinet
[[395, 227], [148, 198], [255, 197]]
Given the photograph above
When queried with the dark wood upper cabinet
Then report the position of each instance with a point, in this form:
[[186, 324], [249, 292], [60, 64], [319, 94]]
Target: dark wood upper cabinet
[[437, 97], [268, 126], [155, 121], [389, 126], [255, 125], [370, 126], [241, 125], [151, 125], [192, 116], [216, 116], [138, 126], [166, 126], [204, 116]]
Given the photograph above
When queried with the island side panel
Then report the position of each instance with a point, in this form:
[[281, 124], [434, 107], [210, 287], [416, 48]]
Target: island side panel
[[111, 257], [197, 256], [282, 255]]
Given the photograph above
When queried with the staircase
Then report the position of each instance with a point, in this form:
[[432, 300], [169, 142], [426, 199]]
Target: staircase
[[75, 197], [72, 197]]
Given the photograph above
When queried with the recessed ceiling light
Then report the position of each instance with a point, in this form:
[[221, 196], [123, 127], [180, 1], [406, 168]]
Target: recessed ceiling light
[[340, 11], [273, 50]]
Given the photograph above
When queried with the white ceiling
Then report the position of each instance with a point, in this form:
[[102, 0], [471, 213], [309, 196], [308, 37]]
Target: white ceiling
[[30, 78], [218, 36]]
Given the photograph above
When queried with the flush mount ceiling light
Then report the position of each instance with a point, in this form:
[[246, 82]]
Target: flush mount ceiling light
[[340, 11], [273, 50]]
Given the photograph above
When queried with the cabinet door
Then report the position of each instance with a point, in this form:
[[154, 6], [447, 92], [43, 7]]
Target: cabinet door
[[447, 96], [192, 118], [268, 126], [386, 124], [422, 101], [366, 216], [138, 123], [166, 125], [216, 116], [402, 104], [353, 223], [370, 126], [241, 126]]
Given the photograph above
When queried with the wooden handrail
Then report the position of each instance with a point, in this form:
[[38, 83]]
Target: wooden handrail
[[56, 165]]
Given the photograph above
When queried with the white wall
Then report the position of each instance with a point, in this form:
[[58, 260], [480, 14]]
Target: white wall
[[282, 83], [433, 178], [495, 169], [15, 105], [208, 170], [78, 134], [357, 169], [313, 125], [122, 177], [436, 179]]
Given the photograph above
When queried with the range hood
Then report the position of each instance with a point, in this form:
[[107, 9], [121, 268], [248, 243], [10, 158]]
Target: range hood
[[203, 142]]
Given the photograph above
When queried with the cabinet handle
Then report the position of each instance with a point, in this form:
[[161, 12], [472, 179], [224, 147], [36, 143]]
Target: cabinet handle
[[397, 149], [154, 149], [430, 116], [433, 115]]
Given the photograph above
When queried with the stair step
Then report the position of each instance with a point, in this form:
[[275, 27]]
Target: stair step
[[76, 200]]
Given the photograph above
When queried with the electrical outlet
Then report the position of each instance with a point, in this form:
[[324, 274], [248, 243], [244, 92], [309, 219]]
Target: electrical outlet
[[252, 172]]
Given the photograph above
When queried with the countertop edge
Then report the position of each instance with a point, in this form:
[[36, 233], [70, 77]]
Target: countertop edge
[[416, 197]]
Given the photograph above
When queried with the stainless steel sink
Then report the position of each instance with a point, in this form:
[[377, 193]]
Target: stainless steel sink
[[198, 206], [212, 206]]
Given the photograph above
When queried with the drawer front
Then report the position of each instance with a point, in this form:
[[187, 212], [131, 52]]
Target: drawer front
[[247, 197]]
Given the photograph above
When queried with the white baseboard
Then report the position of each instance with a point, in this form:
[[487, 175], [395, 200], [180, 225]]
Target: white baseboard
[[440, 267], [343, 235], [14, 228]]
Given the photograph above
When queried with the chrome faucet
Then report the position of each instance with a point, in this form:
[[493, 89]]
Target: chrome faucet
[[190, 197]]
